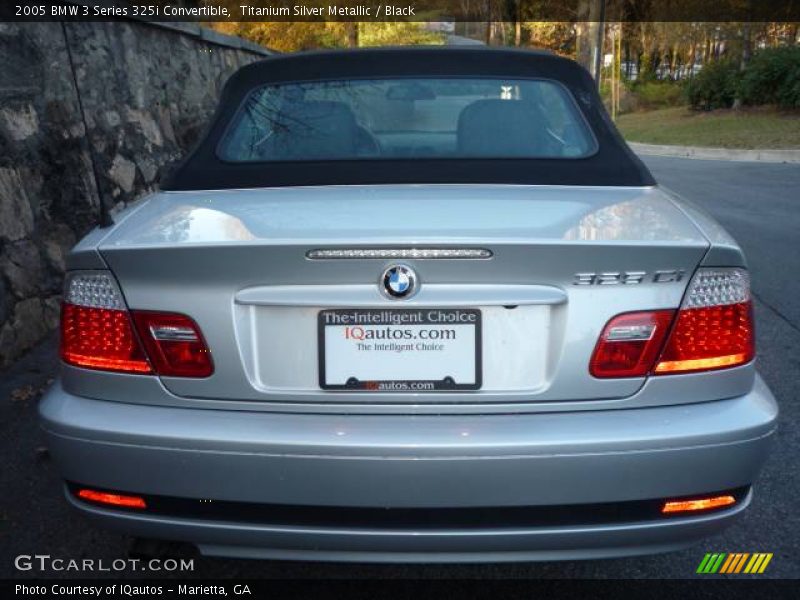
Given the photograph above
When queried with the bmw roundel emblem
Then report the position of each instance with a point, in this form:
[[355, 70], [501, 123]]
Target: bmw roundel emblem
[[399, 281]]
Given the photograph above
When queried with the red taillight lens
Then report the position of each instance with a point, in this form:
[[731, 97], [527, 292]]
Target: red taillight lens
[[97, 332], [174, 344], [630, 343], [100, 338], [709, 338], [112, 499], [715, 327]]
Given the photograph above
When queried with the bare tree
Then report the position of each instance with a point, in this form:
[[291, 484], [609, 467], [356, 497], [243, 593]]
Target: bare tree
[[351, 33]]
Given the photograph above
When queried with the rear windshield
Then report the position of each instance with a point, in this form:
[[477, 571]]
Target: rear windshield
[[407, 119]]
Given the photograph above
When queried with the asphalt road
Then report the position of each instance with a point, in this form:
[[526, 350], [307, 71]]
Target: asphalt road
[[760, 206]]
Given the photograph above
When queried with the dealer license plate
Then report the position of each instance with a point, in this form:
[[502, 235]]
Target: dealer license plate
[[400, 350]]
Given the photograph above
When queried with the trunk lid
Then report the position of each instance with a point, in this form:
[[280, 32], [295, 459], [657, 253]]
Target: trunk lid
[[564, 260]]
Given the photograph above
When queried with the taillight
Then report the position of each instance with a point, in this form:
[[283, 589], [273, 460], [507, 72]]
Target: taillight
[[714, 328], [630, 343], [174, 344], [97, 332]]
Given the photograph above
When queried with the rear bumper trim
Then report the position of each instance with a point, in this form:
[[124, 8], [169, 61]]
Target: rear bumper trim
[[414, 519], [247, 540]]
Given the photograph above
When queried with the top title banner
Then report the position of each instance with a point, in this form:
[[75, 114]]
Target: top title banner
[[399, 10]]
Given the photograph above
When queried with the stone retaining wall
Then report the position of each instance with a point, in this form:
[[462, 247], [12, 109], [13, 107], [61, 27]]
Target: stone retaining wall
[[147, 91]]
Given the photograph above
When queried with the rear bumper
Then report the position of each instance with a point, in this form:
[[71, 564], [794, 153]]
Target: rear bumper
[[413, 462], [250, 540]]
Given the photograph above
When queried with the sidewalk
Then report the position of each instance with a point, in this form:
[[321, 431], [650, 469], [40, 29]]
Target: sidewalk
[[772, 156]]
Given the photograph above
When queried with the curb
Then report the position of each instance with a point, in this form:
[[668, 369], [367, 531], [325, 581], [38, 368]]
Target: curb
[[771, 156]]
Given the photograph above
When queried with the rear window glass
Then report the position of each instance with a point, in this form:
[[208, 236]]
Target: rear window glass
[[421, 118]]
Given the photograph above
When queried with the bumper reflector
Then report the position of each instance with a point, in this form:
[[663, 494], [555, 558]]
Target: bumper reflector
[[112, 499], [698, 504]]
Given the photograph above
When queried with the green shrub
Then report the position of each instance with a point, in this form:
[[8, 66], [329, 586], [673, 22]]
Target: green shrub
[[714, 86], [659, 94], [646, 95], [772, 77]]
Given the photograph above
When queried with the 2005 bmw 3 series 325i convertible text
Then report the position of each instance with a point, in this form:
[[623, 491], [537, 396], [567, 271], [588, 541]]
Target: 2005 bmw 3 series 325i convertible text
[[410, 305]]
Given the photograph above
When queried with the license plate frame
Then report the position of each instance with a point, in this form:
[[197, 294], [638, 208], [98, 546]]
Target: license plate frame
[[383, 318]]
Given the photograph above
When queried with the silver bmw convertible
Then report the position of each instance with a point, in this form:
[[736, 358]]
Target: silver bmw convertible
[[410, 305]]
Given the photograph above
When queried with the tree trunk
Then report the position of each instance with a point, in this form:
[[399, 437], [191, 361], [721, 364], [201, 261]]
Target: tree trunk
[[692, 58], [655, 62], [746, 50], [351, 29], [588, 45], [599, 17], [628, 63], [645, 57], [617, 82], [746, 46], [673, 63]]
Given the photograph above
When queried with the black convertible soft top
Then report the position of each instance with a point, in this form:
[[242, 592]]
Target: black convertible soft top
[[612, 165]]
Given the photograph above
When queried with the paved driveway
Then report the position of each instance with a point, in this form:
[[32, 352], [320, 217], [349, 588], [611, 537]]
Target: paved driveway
[[760, 206]]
